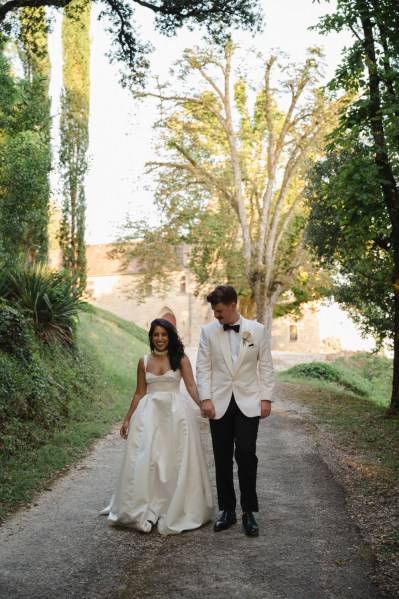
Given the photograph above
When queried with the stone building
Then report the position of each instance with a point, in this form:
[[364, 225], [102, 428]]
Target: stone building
[[109, 285]]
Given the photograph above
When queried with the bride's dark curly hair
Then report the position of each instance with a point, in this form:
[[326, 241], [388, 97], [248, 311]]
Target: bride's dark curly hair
[[175, 345]]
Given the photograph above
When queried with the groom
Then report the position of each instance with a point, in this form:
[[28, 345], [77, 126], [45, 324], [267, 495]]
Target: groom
[[235, 381]]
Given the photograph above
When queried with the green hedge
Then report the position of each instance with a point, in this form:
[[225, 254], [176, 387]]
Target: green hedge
[[40, 384], [366, 375]]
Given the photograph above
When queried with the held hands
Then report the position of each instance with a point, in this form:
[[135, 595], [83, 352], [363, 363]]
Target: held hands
[[124, 429], [207, 409], [265, 408]]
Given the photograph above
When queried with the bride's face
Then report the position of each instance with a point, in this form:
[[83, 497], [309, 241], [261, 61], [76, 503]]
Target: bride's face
[[160, 338]]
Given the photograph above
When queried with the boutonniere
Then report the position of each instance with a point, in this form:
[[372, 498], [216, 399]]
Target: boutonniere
[[246, 337]]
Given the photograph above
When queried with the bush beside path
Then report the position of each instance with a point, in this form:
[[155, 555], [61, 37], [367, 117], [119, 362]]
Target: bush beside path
[[309, 548]]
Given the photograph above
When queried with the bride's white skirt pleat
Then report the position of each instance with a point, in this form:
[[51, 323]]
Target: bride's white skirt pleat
[[163, 478]]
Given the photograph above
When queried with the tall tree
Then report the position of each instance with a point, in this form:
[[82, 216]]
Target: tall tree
[[215, 16], [369, 71], [25, 141], [231, 179], [74, 125], [36, 63], [352, 238]]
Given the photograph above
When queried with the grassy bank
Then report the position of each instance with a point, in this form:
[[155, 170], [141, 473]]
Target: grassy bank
[[349, 399], [99, 381], [351, 396]]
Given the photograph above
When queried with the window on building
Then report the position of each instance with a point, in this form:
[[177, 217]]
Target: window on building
[[293, 332]]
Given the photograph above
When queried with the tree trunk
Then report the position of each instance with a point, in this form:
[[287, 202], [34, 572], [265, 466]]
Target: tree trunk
[[394, 407], [388, 185], [268, 319], [264, 311]]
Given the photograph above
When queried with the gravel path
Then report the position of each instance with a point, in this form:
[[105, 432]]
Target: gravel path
[[308, 548]]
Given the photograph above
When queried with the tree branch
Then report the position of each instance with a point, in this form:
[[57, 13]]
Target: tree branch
[[14, 4], [194, 168], [187, 100]]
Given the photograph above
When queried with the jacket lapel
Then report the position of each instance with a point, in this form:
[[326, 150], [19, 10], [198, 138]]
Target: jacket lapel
[[243, 346], [225, 345]]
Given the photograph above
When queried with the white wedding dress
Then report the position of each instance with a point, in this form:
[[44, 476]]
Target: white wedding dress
[[164, 478]]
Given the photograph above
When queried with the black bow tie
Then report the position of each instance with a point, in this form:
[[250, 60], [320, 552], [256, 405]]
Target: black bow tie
[[234, 327]]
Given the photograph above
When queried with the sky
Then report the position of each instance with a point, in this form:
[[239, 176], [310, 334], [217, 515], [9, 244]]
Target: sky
[[121, 134]]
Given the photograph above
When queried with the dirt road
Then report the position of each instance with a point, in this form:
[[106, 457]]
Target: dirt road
[[308, 548]]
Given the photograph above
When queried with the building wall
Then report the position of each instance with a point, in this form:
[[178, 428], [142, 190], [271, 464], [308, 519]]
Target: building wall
[[301, 336], [190, 313], [111, 292]]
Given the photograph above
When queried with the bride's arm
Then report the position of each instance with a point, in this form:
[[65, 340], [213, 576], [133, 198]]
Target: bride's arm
[[141, 390], [188, 378]]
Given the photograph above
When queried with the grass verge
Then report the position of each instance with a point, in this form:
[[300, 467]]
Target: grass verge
[[110, 348]]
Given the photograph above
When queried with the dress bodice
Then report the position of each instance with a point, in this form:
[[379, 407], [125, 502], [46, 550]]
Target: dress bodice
[[169, 382]]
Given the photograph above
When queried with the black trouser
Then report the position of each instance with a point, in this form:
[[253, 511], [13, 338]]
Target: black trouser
[[235, 431]]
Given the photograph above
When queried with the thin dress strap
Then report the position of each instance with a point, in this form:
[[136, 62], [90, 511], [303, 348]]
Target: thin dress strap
[[145, 363]]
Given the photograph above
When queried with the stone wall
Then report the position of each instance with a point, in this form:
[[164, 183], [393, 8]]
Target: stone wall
[[291, 334]]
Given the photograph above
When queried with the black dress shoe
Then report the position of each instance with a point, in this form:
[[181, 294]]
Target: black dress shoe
[[225, 521], [249, 524]]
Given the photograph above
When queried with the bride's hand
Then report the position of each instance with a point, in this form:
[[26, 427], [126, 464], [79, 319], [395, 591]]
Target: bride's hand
[[124, 430]]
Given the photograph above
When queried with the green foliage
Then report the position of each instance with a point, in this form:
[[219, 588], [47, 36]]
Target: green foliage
[[49, 299], [365, 375], [8, 90], [24, 209], [350, 231], [25, 149], [33, 36], [40, 393], [369, 121], [230, 181], [15, 335], [370, 374], [52, 409], [74, 129], [314, 370]]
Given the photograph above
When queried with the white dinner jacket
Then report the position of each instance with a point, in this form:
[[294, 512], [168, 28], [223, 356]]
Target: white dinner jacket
[[252, 378]]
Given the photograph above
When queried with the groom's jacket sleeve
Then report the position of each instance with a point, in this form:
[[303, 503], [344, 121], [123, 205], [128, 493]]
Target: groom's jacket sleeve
[[266, 370], [204, 368]]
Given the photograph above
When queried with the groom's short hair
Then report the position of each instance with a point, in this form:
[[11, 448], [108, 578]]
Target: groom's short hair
[[222, 294]]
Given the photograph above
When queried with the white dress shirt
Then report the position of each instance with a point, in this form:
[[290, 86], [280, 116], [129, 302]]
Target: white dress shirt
[[235, 340]]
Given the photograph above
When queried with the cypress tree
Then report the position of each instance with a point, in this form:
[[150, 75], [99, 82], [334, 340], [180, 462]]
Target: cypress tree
[[74, 125]]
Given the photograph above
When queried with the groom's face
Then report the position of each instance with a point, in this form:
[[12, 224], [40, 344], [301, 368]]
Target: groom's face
[[225, 313]]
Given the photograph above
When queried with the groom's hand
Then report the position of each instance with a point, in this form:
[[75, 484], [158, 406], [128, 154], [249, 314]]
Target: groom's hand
[[265, 408], [207, 409]]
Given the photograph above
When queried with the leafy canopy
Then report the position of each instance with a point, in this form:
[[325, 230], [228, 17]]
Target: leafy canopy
[[230, 176]]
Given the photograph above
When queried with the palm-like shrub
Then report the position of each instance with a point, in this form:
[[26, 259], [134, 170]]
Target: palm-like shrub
[[48, 298]]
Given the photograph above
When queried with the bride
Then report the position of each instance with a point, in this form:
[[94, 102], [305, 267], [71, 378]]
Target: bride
[[163, 478]]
